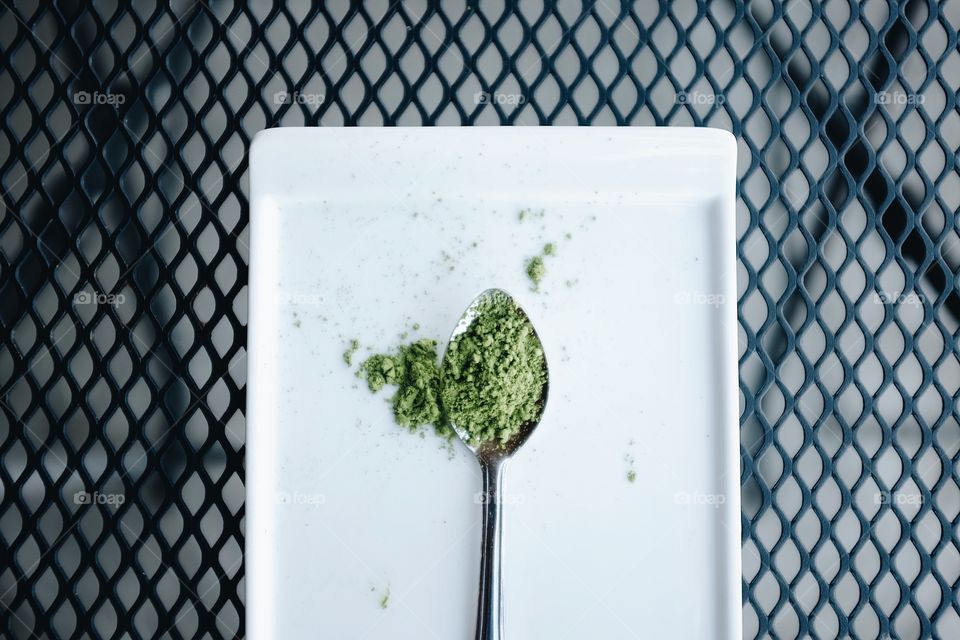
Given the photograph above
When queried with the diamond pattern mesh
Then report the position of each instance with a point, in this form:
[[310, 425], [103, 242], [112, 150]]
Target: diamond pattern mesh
[[123, 249]]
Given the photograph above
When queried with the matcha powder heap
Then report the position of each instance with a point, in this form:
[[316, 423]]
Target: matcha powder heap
[[413, 369], [490, 385], [494, 373]]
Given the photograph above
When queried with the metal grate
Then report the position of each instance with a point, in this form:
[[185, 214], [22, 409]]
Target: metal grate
[[123, 251]]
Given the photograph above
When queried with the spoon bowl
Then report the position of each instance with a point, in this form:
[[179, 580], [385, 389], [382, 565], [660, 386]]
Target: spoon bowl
[[492, 450]]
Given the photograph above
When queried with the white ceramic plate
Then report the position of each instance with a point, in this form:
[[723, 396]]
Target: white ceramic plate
[[360, 233]]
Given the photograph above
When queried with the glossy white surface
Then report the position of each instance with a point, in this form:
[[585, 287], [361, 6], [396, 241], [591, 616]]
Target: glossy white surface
[[359, 233]]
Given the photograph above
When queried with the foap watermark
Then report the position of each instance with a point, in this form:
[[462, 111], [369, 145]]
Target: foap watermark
[[502, 99], [699, 297], [696, 498], [84, 98], [299, 298], [298, 97], [483, 497], [99, 497], [909, 299], [699, 98], [899, 97], [98, 298], [297, 498], [897, 498]]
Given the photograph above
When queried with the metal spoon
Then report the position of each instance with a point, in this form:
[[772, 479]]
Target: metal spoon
[[492, 456]]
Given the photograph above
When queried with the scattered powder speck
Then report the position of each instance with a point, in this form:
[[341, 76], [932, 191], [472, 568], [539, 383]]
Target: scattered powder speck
[[351, 350], [451, 450], [631, 472], [536, 270], [527, 213]]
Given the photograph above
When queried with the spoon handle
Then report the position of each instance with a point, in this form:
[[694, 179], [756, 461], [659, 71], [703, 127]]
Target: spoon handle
[[490, 603]]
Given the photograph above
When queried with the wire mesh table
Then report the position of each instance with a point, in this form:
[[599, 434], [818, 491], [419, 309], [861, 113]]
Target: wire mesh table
[[123, 245]]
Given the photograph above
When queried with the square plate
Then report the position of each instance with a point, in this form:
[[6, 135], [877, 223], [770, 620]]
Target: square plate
[[361, 233]]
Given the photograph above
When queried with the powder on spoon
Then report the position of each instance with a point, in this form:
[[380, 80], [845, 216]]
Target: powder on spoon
[[494, 372], [490, 384]]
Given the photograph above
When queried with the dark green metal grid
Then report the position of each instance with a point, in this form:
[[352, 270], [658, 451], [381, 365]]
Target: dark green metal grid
[[848, 263]]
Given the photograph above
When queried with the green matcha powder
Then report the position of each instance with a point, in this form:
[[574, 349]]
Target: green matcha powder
[[494, 373], [536, 268], [413, 369], [490, 383]]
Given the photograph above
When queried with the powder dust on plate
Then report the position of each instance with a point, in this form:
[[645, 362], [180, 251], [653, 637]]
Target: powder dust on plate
[[351, 350], [536, 268]]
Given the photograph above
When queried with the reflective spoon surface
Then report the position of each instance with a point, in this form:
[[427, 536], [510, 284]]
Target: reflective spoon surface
[[492, 457]]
